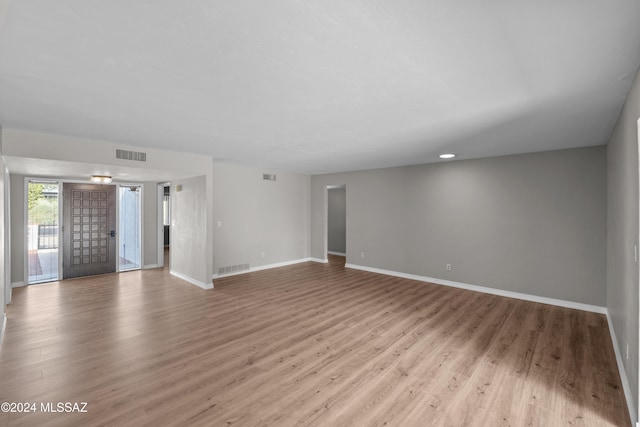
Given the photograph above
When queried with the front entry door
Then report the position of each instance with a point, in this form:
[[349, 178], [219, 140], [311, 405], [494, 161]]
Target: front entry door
[[89, 230]]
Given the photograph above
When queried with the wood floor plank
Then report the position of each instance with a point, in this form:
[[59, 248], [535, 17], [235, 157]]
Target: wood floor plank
[[307, 344]]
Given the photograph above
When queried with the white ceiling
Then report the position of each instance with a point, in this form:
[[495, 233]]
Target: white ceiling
[[321, 86]]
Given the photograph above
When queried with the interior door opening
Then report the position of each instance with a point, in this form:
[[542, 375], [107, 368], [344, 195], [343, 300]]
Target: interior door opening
[[42, 231], [164, 222], [129, 231], [337, 220]]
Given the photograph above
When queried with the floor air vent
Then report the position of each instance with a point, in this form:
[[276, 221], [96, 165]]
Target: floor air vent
[[137, 156], [233, 268]]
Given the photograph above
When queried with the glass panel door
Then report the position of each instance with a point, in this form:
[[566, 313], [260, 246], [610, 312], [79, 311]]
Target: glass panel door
[[42, 231], [130, 224]]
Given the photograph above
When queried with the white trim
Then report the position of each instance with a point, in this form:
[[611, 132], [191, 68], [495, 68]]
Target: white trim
[[320, 260], [264, 267], [18, 284], [623, 375], [149, 266], [191, 280], [486, 290], [3, 327], [336, 253]]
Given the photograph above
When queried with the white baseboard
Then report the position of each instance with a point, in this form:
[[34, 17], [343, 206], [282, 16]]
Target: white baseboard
[[149, 266], [320, 260], [336, 253], [191, 280], [484, 289], [534, 298], [3, 327], [18, 284], [264, 267], [626, 387]]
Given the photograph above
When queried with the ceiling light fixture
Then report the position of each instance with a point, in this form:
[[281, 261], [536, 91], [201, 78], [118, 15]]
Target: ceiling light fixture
[[101, 179], [447, 156]]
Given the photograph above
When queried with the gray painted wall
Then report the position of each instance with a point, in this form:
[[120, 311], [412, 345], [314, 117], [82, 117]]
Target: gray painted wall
[[189, 229], [622, 233], [337, 220], [258, 216], [532, 223], [150, 224]]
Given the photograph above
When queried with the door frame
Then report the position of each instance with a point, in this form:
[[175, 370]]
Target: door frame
[[129, 184], [327, 189], [160, 222], [325, 249]]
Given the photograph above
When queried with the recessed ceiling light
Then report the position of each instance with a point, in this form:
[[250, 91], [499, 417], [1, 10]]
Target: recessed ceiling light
[[447, 156]]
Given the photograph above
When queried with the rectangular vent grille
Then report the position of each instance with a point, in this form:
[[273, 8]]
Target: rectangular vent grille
[[137, 156], [233, 268], [269, 177]]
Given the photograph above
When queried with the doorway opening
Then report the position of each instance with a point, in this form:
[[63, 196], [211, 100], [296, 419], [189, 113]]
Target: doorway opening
[[129, 231], [42, 234], [164, 222], [337, 222]]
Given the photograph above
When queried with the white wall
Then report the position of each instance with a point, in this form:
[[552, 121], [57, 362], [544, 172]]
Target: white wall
[[622, 234], [189, 243], [532, 223], [4, 226], [258, 216]]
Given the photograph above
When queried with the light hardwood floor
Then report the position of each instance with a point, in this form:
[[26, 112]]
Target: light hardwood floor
[[308, 344]]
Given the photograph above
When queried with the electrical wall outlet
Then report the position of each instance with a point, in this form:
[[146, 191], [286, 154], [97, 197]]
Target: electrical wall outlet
[[361, 254], [627, 351], [448, 267]]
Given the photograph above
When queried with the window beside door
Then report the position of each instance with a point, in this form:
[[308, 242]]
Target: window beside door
[[130, 237], [43, 231]]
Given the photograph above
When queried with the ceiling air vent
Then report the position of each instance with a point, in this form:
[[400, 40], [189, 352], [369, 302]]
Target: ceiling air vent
[[269, 176], [137, 156]]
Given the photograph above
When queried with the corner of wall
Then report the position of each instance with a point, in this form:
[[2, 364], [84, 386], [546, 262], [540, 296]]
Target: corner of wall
[[623, 218]]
